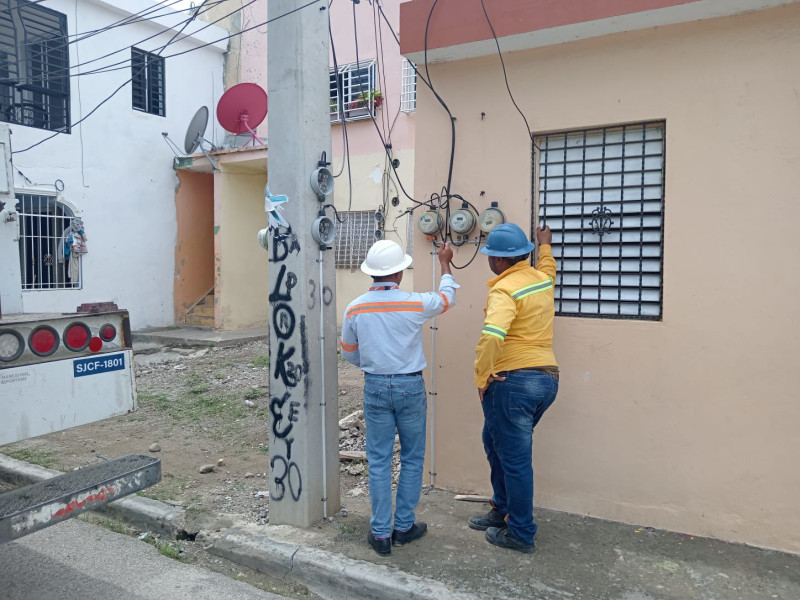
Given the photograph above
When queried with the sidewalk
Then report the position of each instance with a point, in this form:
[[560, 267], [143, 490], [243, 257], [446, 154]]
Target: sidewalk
[[576, 557]]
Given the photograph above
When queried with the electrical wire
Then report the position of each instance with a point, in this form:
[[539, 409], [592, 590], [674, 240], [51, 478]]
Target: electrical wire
[[505, 76], [125, 63], [312, 2], [386, 148], [64, 72], [340, 104]]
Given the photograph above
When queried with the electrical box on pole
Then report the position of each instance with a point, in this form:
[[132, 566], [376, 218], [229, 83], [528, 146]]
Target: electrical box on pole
[[303, 445]]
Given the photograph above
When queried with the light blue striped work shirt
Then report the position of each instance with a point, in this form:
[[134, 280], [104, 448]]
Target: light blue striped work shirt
[[382, 329]]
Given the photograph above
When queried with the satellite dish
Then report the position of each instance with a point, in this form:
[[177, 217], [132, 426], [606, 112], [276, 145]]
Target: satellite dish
[[196, 129], [241, 108], [194, 135]]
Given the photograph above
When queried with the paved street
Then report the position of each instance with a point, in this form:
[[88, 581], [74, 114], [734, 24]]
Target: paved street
[[78, 560]]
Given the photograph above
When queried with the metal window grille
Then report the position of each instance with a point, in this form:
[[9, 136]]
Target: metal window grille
[[354, 238], [147, 72], [352, 90], [42, 221], [408, 94], [601, 191], [34, 66]]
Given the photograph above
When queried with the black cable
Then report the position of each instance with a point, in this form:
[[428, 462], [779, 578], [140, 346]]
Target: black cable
[[312, 2], [505, 76], [442, 102], [383, 141], [125, 63], [340, 105], [64, 72]]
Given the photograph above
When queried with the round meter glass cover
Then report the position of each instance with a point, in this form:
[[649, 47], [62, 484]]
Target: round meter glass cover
[[489, 219], [462, 221], [430, 222]]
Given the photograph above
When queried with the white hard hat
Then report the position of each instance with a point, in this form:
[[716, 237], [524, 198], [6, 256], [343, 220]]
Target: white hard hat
[[385, 258]]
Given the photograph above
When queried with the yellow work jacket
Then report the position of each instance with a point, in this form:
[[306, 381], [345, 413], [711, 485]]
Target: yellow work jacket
[[518, 330]]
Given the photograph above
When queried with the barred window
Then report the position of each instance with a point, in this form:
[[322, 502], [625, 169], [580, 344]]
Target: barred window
[[147, 73], [354, 238], [34, 66], [43, 229], [353, 91], [408, 97], [601, 191]]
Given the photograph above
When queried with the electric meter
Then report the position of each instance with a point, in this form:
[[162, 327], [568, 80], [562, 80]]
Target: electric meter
[[263, 239], [322, 181], [491, 218], [462, 221], [323, 230], [430, 222]]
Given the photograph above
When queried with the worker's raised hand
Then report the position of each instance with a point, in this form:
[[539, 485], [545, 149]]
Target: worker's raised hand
[[544, 235], [445, 254]]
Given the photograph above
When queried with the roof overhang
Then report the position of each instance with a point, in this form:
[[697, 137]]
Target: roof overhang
[[167, 19], [247, 160], [458, 28]]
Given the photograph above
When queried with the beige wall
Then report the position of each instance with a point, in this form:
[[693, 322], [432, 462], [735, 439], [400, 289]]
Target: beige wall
[[240, 263], [688, 424], [194, 250]]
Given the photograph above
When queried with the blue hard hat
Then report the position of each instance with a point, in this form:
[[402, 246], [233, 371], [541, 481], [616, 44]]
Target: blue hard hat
[[507, 239]]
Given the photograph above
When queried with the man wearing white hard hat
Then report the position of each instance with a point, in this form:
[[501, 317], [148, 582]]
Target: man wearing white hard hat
[[382, 335]]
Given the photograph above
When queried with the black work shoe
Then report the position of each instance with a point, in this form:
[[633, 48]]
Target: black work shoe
[[382, 547], [505, 539], [494, 518], [404, 537]]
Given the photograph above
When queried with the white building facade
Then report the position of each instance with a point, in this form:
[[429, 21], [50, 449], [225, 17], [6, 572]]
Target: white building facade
[[108, 81]]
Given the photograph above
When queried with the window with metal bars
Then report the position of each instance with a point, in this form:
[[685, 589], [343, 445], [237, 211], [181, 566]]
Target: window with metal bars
[[43, 222], [601, 192], [354, 238], [408, 94], [34, 66], [353, 91], [147, 72]]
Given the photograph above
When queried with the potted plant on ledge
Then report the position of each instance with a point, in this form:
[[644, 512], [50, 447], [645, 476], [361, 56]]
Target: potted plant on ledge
[[364, 104]]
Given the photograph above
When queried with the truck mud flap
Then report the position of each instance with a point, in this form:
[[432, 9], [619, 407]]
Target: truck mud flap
[[33, 507]]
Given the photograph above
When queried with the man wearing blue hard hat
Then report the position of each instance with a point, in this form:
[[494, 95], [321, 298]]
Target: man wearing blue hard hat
[[517, 377]]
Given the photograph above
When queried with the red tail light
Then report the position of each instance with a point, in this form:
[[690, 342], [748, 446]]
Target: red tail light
[[12, 345], [108, 332], [43, 341], [77, 336]]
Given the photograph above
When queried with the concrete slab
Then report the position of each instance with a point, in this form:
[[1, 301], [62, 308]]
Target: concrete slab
[[193, 337]]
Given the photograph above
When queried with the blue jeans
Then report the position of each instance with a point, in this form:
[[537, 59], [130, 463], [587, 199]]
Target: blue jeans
[[394, 402], [511, 409]]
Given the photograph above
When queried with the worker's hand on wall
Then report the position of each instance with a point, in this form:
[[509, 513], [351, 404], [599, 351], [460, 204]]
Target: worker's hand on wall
[[445, 254], [544, 235]]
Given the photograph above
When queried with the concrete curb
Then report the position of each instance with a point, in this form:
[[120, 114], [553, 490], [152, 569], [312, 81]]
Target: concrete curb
[[332, 576], [199, 338], [143, 513]]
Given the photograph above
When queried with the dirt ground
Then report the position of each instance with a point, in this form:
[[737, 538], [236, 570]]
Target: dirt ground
[[201, 407]]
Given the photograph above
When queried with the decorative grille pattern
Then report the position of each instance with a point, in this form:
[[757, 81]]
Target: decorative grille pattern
[[601, 191], [147, 72], [354, 238], [34, 66], [352, 90], [408, 97], [42, 221]]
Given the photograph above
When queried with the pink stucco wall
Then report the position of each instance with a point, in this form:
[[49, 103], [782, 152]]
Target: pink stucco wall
[[252, 67]]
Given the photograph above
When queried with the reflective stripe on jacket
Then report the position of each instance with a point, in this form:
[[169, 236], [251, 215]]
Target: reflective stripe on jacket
[[382, 329], [517, 332]]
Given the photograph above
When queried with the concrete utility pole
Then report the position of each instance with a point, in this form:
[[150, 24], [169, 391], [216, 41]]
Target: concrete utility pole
[[304, 450]]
